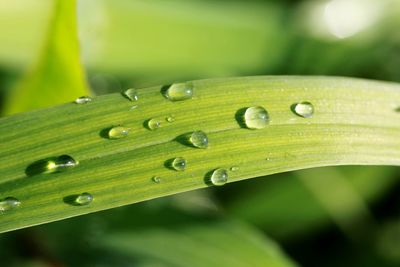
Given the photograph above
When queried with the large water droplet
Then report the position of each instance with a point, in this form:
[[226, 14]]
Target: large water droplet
[[178, 91], [131, 94], [156, 179], [256, 118], [153, 124], [219, 177], [199, 139], [178, 164], [118, 132], [83, 100], [83, 199], [9, 203], [303, 109], [50, 165]]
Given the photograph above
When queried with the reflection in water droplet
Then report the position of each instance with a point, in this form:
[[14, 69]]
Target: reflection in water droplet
[[156, 179], [256, 118], [131, 94], [234, 168], [170, 118], [179, 164], [199, 139], [153, 124], [219, 177], [83, 100], [178, 91], [303, 109], [50, 165], [83, 199], [9, 203], [118, 132]]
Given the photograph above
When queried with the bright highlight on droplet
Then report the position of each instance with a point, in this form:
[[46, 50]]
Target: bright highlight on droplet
[[179, 91], [199, 139], [118, 132], [131, 94], [9, 203], [303, 109], [219, 177], [83, 199], [256, 118], [83, 100]]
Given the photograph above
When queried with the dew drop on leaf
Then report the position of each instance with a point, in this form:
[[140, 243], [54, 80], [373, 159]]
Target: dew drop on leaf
[[83, 199], [179, 164], [131, 94], [9, 203], [156, 179], [153, 124], [178, 91], [234, 168], [303, 109], [118, 132], [256, 118], [199, 139], [219, 177], [83, 100]]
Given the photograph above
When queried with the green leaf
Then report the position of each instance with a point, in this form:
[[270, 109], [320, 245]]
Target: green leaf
[[214, 244], [355, 122], [57, 77]]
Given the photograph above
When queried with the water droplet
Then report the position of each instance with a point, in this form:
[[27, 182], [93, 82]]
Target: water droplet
[[156, 179], [219, 177], [50, 165], [179, 164], [83, 199], [133, 107], [199, 139], [83, 100], [9, 203], [234, 168], [131, 94], [170, 118], [256, 118], [118, 132], [303, 109], [153, 124], [178, 91]]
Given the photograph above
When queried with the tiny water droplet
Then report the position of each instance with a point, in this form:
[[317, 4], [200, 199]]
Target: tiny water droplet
[[234, 168], [133, 107], [170, 118], [83, 199], [303, 109], [179, 164], [9, 203], [131, 94], [256, 118], [118, 132], [199, 139], [156, 179], [179, 91], [219, 177], [83, 100], [153, 124]]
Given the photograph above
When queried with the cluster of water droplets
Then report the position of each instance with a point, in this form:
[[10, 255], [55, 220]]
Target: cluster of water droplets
[[255, 117]]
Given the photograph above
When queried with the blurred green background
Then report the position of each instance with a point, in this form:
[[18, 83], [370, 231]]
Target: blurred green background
[[335, 216]]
